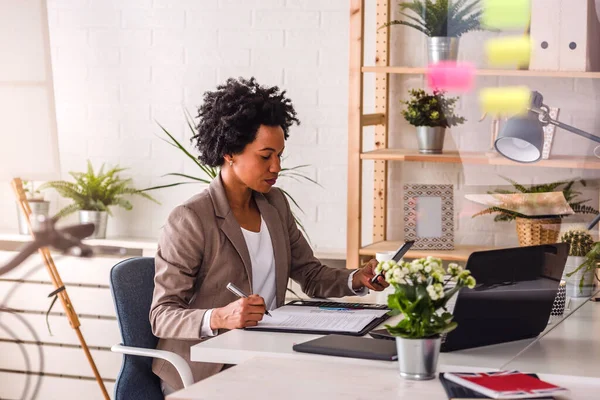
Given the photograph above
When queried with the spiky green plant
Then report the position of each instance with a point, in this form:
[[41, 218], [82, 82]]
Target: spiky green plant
[[589, 265], [580, 242], [571, 196], [95, 191], [443, 18], [210, 173]]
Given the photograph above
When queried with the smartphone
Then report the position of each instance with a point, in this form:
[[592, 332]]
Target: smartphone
[[397, 256]]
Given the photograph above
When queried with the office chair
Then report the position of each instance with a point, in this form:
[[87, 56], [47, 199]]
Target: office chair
[[131, 285]]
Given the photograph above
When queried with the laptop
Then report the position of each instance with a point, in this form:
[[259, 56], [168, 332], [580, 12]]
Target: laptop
[[513, 298]]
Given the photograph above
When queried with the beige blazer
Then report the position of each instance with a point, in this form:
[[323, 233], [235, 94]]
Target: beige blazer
[[202, 248]]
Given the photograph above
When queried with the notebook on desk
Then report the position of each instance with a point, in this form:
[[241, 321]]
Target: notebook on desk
[[318, 317]]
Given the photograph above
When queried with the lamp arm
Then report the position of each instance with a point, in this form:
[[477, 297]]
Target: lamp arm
[[575, 130]]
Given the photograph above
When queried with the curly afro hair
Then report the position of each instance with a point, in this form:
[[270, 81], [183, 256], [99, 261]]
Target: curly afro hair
[[230, 117]]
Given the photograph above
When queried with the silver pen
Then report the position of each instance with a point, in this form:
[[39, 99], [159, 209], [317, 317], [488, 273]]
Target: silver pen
[[238, 292]]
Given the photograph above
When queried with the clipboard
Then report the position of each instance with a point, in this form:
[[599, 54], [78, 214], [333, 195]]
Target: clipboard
[[329, 306]]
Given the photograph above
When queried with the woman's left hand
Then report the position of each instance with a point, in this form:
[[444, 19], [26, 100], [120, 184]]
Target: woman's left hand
[[362, 278]]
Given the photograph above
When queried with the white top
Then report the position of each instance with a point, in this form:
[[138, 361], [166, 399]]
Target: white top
[[260, 248], [262, 257]]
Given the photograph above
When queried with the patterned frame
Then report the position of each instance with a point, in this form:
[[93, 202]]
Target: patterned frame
[[411, 193]]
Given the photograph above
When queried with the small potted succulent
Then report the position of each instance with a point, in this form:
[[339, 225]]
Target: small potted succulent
[[94, 193], [431, 114], [443, 21], [581, 263], [422, 289]]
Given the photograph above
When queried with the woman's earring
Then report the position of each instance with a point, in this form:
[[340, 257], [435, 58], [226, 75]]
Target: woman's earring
[[230, 163]]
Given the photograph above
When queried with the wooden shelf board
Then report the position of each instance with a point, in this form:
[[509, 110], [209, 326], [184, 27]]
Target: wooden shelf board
[[489, 72], [460, 253], [466, 157]]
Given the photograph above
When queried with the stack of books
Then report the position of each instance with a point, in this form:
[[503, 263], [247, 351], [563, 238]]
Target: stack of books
[[498, 385]]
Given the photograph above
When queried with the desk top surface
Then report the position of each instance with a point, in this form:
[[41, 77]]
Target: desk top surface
[[569, 349], [270, 378]]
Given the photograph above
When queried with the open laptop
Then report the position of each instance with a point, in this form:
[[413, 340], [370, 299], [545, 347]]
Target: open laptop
[[513, 298]]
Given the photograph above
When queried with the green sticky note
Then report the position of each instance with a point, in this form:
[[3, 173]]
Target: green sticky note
[[506, 14]]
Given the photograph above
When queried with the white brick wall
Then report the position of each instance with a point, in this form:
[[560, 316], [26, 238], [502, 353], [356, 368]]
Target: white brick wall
[[121, 65]]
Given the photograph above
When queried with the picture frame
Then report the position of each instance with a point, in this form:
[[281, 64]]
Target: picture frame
[[429, 216], [549, 131]]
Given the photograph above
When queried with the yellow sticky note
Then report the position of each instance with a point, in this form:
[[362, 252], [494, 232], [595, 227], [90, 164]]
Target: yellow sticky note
[[505, 100], [506, 14], [509, 51]]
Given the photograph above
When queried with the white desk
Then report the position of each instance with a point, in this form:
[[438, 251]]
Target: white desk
[[272, 378], [572, 340]]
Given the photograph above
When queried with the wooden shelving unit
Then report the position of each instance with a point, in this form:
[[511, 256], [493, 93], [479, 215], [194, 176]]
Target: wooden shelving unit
[[459, 254], [477, 158], [382, 155], [488, 72]]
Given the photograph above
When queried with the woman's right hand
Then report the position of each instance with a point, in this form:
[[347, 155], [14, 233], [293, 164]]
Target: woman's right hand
[[239, 314]]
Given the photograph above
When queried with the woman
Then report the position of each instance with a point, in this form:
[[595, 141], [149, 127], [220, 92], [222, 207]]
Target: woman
[[239, 230]]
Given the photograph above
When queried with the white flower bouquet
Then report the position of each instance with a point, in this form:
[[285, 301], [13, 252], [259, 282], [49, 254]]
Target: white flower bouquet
[[422, 290]]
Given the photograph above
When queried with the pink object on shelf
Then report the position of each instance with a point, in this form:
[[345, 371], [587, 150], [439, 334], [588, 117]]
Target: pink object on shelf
[[450, 75]]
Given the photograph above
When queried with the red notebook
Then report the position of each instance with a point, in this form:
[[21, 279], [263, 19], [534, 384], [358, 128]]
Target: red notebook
[[506, 384]]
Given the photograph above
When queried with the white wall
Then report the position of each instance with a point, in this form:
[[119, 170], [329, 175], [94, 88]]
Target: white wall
[[121, 65]]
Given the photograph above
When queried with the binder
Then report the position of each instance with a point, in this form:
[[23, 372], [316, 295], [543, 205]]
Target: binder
[[545, 35], [324, 311], [574, 25]]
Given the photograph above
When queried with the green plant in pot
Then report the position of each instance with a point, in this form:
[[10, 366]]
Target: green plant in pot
[[37, 203], [207, 173], [443, 21], [536, 230], [94, 193], [422, 290], [431, 114], [581, 263]]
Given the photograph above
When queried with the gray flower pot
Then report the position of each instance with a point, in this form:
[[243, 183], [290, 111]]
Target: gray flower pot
[[418, 358], [98, 218], [442, 49], [38, 207], [430, 139]]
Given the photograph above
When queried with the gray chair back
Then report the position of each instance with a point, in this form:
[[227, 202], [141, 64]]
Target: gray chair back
[[132, 285]]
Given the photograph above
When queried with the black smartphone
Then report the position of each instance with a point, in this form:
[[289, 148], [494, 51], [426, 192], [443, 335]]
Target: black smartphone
[[397, 256]]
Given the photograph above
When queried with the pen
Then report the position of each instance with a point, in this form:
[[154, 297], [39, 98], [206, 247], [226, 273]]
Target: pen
[[238, 292]]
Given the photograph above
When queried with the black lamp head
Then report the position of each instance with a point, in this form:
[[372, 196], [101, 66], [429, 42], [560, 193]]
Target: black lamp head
[[522, 138]]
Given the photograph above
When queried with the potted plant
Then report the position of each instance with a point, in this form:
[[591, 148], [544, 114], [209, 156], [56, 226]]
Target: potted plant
[[444, 22], [532, 230], [581, 263], [431, 114], [210, 173], [37, 203], [421, 293], [93, 195]]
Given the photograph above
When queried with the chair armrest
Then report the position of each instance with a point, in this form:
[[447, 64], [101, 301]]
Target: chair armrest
[[176, 360]]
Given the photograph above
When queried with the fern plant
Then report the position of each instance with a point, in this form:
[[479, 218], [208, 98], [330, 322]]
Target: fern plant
[[209, 173], [95, 191], [571, 196], [442, 18]]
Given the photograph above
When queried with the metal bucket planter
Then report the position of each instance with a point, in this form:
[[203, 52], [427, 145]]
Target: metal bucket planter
[[98, 218], [418, 358], [442, 49]]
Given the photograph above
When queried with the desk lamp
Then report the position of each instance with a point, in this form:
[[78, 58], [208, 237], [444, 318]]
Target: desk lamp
[[522, 138], [29, 144]]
